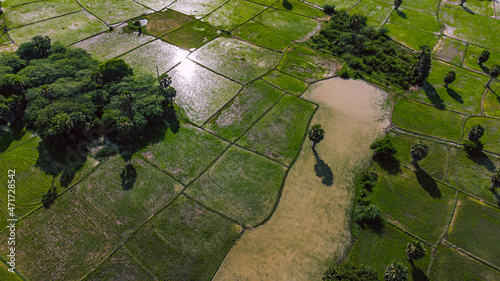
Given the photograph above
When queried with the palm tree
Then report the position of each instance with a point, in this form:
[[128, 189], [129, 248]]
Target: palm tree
[[316, 134], [483, 57], [495, 179], [397, 3], [415, 250], [396, 272], [449, 78], [418, 151]]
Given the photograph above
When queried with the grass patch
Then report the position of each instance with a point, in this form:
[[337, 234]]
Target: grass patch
[[119, 266], [491, 138], [248, 106], [418, 20], [186, 153], [13, 136], [241, 185], [233, 14], [33, 12], [379, 250], [427, 120], [111, 44], [262, 36], [192, 36], [471, 174], [450, 50], [156, 53], [339, 4], [156, 4], [68, 29], [463, 95], [238, 60], [4, 38], [474, 29], [286, 82], [115, 11], [279, 134], [161, 23], [492, 100], [410, 37], [5, 274], [450, 264], [481, 7], [414, 202], [303, 62], [289, 25], [12, 3], [196, 8], [426, 6], [201, 92], [68, 240], [375, 11], [126, 202], [184, 242], [299, 7], [475, 229], [473, 53]]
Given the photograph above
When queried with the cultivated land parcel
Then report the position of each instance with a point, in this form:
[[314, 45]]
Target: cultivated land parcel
[[246, 81]]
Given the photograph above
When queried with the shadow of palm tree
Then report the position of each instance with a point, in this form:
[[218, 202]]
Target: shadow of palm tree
[[49, 197], [468, 10], [433, 96], [128, 176], [428, 183], [482, 159], [417, 273], [497, 197], [323, 171], [454, 95], [401, 14], [287, 5], [390, 164]]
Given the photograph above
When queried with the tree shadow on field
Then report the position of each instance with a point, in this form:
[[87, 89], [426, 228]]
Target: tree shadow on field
[[390, 164], [417, 273], [287, 5], [401, 14], [485, 69], [11, 133], [497, 197], [428, 183], [468, 10], [433, 96], [454, 95], [323, 171], [128, 176], [483, 160], [49, 197]]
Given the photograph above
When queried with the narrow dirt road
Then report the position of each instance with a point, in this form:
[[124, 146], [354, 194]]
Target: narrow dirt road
[[311, 224]]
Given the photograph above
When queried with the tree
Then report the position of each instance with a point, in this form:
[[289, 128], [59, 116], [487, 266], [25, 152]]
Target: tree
[[495, 179], [473, 147], [419, 150], [485, 55], [449, 78], [316, 134], [383, 147], [48, 93], [495, 70], [37, 48], [423, 66], [352, 272], [415, 250], [114, 70], [396, 272], [370, 214], [397, 3], [476, 132], [462, 2], [329, 9]]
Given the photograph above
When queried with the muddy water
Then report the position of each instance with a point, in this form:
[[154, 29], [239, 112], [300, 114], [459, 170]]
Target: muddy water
[[310, 226]]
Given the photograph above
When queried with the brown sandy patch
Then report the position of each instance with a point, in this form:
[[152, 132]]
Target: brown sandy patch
[[310, 227]]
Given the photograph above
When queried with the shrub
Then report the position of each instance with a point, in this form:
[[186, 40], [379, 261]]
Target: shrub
[[363, 197], [495, 70], [329, 9], [368, 180], [415, 250], [473, 147], [349, 271], [396, 272], [383, 147], [485, 55], [107, 151], [370, 214]]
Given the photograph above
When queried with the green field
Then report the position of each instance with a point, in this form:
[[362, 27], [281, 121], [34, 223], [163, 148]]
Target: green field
[[286, 82], [192, 36], [376, 11], [291, 26], [233, 14], [410, 37], [492, 100], [261, 35], [473, 53], [451, 50]]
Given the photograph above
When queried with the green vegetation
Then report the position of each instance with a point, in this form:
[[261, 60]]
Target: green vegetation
[[489, 132], [114, 11], [316, 134], [415, 250], [349, 271], [233, 14], [410, 37], [472, 56], [194, 35], [451, 50], [37, 11], [375, 11], [164, 22], [261, 35], [417, 20], [396, 271], [286, 82], [119, 266], [299, 7], [291, 26]]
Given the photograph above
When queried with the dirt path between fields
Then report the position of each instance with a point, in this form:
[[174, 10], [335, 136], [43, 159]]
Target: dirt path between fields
[[310, 225]]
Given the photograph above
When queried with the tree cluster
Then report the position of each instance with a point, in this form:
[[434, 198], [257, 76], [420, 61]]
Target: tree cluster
[[473, 143], [352, 272], [369, 50], [66, 95]]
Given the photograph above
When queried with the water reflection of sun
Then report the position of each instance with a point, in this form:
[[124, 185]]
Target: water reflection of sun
[[186, 69]]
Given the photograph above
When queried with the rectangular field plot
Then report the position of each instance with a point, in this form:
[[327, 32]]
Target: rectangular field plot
[[286, 82], [481, 7], [450, 50], [115, 11], [426, 6], [418, 20], [197, 8], [291, 26], [379, 250], [68, 29], [410, 37], [492, 100], [236, 59], [473, 53], [184, 242], [475, 229], [111, 44], [450, 264], [491, 138], [436, 161], [303, 62], [37, 11], [299, 7], [120, 266], [471, 174], [156, 4], [12, 3], [127, 194], [186, 153], [200, 92], [475, 29], [63, 242], [463, 95], [279, 134], [427, 120], [339, 4], [4, 38], [242, 112], [415, 202], [242, 185], [375, 11], [261, 35], [5, 274], [233, 14], [161, 23], [192, 36]]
